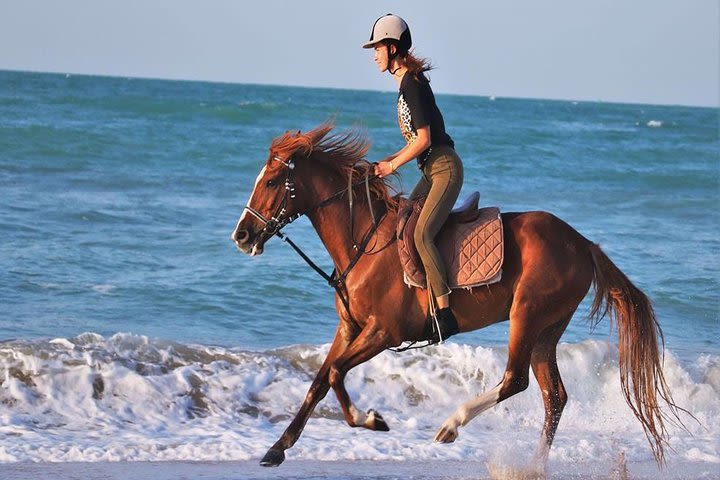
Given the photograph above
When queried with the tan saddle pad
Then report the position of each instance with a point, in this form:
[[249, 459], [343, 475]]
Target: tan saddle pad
[[470, 242]]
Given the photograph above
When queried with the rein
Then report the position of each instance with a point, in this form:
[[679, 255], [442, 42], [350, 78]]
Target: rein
[[276, 223]]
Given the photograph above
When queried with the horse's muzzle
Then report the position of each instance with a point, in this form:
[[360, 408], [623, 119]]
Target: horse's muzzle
[[243, 240]]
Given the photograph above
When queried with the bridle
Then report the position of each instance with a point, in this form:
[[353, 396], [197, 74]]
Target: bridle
[[273, 226]]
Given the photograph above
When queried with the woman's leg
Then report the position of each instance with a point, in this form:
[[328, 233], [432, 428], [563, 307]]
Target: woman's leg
[[421, 189], [445, 172]]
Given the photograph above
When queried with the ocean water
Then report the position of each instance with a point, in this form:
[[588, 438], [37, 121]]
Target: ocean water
[[132, 329]]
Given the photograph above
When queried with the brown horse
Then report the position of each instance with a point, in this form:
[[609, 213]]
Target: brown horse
[[548, 269]]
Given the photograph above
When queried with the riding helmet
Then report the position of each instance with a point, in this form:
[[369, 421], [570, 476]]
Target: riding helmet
[[390, 27]]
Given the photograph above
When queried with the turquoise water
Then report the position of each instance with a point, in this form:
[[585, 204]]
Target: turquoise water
[[132, 329], [118, 197]]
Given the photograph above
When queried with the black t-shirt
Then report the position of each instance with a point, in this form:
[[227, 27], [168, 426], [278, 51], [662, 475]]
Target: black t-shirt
[[416, 108]]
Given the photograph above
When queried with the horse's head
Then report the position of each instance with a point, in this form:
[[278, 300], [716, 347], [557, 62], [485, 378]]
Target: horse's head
[[278, 195], [301, 168]]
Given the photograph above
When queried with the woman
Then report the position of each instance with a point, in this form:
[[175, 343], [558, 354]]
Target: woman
[[423, 128]]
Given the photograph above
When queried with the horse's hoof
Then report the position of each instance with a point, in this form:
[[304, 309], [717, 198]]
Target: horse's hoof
[[273, 458], [376, 422], [446, 435]]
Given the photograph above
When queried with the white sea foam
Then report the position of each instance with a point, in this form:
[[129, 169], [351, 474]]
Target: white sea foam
[[126, 397], [103, 289], [654, 124]]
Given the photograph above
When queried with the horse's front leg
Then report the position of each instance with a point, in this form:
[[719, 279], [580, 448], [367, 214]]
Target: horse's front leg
[[319, 388], [369, 343]]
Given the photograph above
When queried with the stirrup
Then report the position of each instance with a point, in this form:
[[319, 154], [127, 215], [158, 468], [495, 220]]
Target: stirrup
[[412, 345], [425, 342], [436, 328], [434, 335], [445, 325]]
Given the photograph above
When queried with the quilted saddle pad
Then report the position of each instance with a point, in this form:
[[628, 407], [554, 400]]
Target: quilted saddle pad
[[471, 243]]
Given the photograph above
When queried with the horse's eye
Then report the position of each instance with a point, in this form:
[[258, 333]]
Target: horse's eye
[[271, 183]]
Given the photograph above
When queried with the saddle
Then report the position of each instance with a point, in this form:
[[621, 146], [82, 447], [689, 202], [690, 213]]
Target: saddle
[[470, 242]]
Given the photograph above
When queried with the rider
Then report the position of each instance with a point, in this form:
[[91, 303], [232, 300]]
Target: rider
[[423, 128]]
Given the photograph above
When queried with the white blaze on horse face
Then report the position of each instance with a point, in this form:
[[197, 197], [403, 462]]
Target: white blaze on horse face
[[252, 194]]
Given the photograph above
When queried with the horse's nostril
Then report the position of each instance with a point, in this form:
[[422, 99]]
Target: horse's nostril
[[241, 236]]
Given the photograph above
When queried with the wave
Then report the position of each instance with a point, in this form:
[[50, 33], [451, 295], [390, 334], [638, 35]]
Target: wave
[[127, 397]]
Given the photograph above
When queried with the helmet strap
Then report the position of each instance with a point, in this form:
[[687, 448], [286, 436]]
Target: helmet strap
[[391, 56]]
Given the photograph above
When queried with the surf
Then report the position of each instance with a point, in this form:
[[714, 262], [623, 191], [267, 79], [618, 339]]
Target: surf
[[128, 397]]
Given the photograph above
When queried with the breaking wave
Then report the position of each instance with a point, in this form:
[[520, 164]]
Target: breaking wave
[[127, 397]]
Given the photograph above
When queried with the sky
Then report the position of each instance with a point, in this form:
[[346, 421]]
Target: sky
[[635, 51]]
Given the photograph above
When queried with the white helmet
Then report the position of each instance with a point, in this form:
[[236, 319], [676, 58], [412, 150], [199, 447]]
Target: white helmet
[[390, 27]]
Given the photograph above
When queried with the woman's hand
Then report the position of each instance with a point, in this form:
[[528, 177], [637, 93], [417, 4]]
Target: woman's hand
[[384, 168], [407, 153]]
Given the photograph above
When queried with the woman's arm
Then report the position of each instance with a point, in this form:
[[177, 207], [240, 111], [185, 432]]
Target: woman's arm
[[406, 154]]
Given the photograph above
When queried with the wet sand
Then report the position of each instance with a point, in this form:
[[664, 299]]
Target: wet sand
[[321, 470]]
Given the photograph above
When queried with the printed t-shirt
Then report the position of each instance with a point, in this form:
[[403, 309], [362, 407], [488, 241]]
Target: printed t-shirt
[[416, 108]]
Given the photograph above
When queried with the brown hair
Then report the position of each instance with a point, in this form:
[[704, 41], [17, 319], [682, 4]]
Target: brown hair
[[417, 65]]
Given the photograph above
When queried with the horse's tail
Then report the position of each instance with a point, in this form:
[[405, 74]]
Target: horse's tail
[[640, 359]]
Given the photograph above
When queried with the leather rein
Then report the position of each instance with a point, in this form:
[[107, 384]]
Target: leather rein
[[280, 219]]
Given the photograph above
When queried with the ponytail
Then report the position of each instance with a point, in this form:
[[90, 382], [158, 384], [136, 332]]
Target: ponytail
[[417, 66]]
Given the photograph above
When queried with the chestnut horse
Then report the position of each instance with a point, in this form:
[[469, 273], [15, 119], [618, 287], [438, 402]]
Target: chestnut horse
[[547, 271]]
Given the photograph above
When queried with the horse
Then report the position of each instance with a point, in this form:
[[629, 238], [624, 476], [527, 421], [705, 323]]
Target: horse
[[548, 268]]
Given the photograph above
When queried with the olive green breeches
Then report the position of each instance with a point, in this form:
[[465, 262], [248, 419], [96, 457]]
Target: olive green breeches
[[441, 181]]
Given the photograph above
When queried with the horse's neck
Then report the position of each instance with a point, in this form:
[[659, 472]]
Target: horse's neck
[[332, 224]]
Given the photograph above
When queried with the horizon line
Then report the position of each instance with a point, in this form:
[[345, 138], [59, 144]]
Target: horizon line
[[439, 93]]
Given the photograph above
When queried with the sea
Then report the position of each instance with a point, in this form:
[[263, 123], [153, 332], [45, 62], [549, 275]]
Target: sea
[[133, 330]]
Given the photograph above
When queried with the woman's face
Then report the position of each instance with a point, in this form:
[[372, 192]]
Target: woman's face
[[381, 56]]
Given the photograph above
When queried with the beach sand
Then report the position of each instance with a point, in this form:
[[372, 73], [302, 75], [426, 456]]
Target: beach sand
[[319, 470]]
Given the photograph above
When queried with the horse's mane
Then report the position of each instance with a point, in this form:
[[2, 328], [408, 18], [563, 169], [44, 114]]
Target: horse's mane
[[342, 152]]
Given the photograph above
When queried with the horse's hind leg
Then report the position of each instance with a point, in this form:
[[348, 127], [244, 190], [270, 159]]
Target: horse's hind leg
[[369, 343], [545, 368], [515, 380]]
